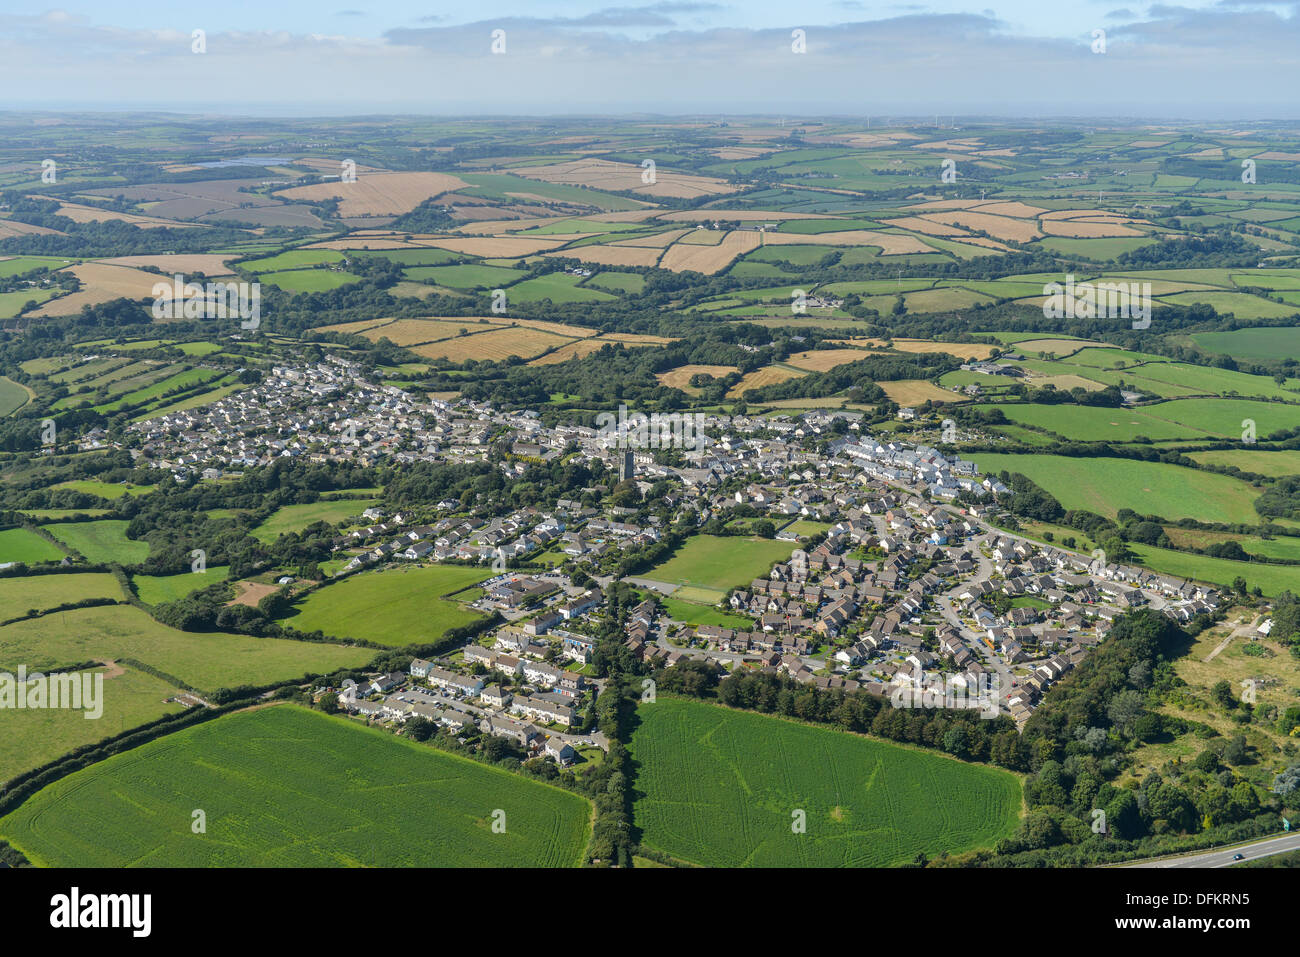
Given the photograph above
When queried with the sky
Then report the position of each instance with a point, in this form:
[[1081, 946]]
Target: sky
[[1208, 60]]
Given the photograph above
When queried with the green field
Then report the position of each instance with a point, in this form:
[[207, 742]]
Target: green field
[[471, 276], [1105, 485], [719, 788], [294, 518], [622, 282], [204, 661], [34, 737], [108, 490], [1176, 419], [159, 589], [1240, 304], [1277, 462], [13, 396], [23, 545], [19, 595], [1271, 579], [1268, 343], [392, 606], [103, 541], [293, 259], [308, 280], [719, 562], [12, 302], [287, 787], [557, 287]]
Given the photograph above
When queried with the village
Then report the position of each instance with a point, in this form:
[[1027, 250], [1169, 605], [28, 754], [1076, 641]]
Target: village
[[906, 584]]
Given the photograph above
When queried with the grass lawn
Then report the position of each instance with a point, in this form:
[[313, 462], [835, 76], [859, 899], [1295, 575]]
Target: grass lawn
[[392, 606], [719, 788], [718, 562], [160, 589], [24, 545], [286, 787], [101, 541], [694, 614], [294, 518], [1105, 485], [205, 661], [18, 595]]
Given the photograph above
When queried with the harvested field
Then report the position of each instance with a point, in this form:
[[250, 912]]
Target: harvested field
[[946, 204], [250, 593], [210, 264], [410, 332], [364, 244], [359, 326], [495, 345], [100, 283], [1087, 229], [9, 229], [891, 244], [680, 378], [819, 360], [962, 350], [496, 247], [378, 194], [925, 226], [93, 214], [613, 255], [633, 338], [737, 215], [703, 237], [576, 350], [999, 227], [657, 240], [1014, 209], [917, 392], [760, 378], [711, 259], [625, 178]]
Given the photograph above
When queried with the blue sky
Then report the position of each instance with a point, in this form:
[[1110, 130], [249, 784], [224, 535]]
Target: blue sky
[[1225, 59]]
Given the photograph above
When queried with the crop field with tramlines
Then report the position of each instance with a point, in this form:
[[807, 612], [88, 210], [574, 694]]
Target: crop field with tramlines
[[285, 787], [720, 788]]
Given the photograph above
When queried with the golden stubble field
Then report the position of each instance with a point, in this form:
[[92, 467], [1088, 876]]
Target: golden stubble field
[[626, 178], [377, 194]]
